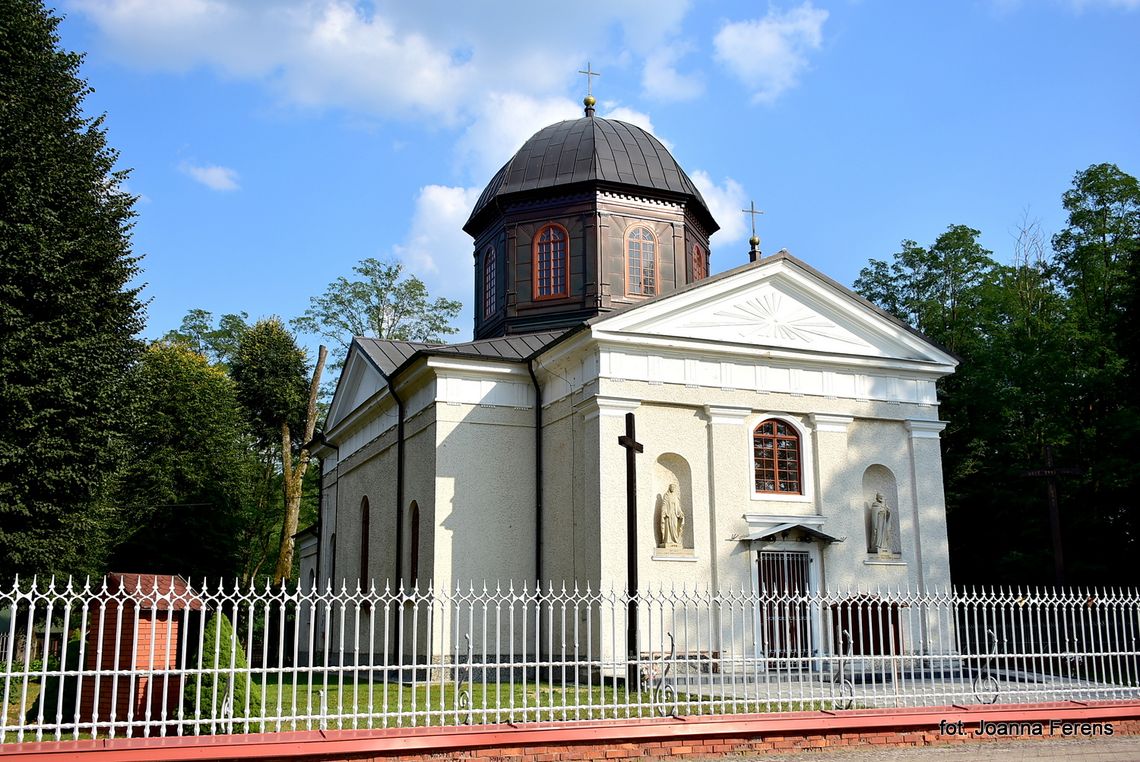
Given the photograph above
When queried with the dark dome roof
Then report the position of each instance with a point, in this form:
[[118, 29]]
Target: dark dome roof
[[594, 151]]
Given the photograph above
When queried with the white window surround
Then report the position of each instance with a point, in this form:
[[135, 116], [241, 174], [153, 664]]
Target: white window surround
[[807, 460]]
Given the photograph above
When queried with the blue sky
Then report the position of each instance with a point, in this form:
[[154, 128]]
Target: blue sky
[[276, 144]]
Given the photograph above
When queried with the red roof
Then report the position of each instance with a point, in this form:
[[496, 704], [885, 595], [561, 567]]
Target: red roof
[[158, 591]]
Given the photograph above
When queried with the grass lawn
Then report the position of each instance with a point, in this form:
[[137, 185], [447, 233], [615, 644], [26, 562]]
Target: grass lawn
[[284, 705], [377, 705]]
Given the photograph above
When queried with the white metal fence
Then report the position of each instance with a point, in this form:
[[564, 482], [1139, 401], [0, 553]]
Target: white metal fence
[[156, 658]]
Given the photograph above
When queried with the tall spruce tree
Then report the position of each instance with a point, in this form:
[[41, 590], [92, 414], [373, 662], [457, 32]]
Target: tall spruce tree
[[1095, 259], [68, 316]]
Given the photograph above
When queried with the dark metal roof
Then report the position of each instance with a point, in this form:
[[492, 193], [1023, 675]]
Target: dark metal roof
[[390, 355], [592, 150]]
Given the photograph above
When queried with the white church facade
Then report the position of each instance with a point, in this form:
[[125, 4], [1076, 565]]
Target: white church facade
[[789, 429]]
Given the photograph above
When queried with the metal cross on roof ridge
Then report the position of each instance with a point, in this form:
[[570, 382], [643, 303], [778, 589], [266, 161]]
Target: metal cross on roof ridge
[[753, 211], [590, 74]]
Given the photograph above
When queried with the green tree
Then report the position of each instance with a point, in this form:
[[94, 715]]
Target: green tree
[[939, 289], [68, 316], [270, 371], [188, 481], [953, 292], [1095, 261], [1095, 248], [1045, 353], [217, 343], [382, 304]]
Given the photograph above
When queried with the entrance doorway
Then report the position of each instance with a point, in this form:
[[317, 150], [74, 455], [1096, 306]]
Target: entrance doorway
[[784, 579]]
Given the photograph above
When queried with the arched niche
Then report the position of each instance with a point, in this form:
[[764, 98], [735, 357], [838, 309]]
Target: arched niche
[[672, 469], [879, 480], [414, 544]]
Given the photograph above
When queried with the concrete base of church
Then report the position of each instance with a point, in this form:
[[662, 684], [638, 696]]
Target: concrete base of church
[[650, 738]]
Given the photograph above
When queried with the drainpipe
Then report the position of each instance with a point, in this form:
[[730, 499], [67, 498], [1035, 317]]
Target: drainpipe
[[538, 570], [320, 438]]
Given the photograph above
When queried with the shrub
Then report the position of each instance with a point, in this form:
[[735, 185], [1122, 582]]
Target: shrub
[[223, 660]]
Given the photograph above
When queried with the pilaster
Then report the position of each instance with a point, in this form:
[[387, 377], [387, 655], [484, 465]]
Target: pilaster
[[728, 457], [932, 551]]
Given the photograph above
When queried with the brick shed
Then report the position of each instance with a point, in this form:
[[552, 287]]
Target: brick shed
[[133, 638]]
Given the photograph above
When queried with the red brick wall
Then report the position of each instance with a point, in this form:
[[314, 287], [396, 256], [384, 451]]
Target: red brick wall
[[650, 739], [124, 693], [714, 746]]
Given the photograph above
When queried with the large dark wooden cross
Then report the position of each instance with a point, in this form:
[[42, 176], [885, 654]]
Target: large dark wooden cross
[[632, 448], [1050, 474]]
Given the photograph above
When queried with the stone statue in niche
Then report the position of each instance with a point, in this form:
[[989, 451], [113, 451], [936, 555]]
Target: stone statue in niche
[[880, 526], [672, 522]]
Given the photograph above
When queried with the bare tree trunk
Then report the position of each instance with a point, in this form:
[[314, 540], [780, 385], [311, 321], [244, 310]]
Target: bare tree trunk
[[293, 476]]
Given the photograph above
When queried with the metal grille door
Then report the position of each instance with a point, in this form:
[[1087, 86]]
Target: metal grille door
[[783, 579]]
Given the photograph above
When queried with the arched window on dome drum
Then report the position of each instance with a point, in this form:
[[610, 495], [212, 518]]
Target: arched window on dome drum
[[551, 247], [641, 259], [700, 265], [490, 291], [776, 456]]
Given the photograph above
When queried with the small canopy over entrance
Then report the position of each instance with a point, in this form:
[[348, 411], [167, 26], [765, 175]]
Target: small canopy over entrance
[[764, 527]]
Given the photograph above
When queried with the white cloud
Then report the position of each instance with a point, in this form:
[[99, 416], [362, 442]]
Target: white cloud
[[661, 80], [212, 176], [769, 54], [639, 118], [435, 243], [725, 201], [502, 122], [626, 114], [313, 54], [433, 59]]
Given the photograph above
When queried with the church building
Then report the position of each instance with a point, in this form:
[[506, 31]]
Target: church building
[[788, 428]]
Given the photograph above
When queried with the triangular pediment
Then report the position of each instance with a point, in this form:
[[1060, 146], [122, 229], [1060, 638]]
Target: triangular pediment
[[778, 304], [359, 381]]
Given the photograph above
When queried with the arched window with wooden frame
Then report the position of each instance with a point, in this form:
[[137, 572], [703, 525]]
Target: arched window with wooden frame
[[641, 262], [365, 577], [490, 283], [777, 458], [551, 262], [700, 263]]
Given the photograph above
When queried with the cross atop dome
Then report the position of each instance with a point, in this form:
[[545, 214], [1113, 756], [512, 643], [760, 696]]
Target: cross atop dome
[[589, 100]]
